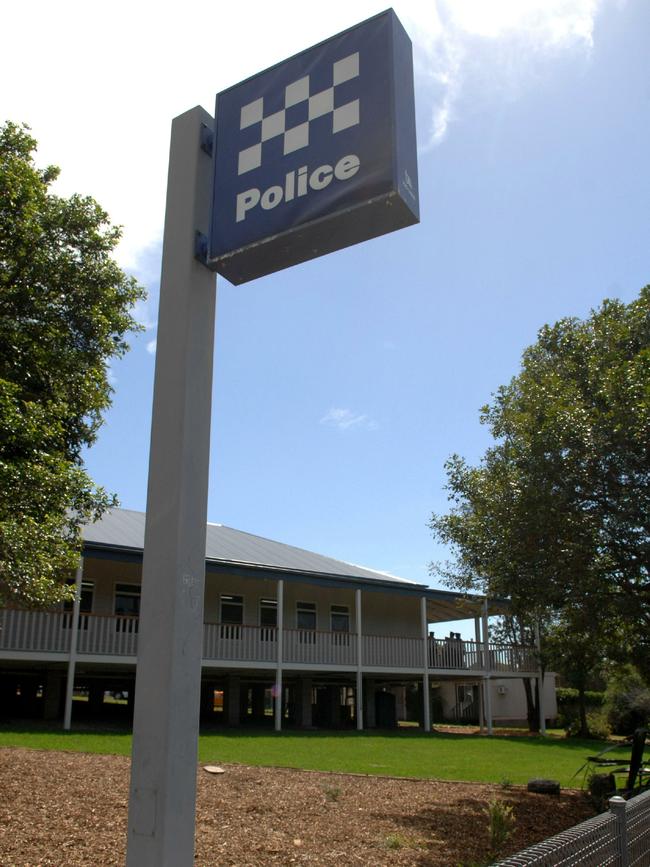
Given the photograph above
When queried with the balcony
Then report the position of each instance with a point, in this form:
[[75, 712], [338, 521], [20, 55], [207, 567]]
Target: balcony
[[48, 634]]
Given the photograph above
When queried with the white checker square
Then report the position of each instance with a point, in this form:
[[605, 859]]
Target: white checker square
[[296, 92], [346, 116], [251, 113], [296, 138], [249, 159], [273, 125], [321, 103], [346, 69]]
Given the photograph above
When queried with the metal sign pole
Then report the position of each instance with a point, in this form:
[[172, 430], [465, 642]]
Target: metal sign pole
[[166, 721]]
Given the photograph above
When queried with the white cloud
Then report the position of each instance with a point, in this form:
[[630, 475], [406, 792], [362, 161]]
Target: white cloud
[[151, 346], [346, 419], [501, 42], [100, 83]]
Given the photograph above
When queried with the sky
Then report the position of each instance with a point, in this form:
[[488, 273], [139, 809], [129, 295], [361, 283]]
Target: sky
[[342, 385]]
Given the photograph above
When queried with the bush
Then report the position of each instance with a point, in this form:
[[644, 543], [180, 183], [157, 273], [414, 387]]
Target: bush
[[501, 823], [568, 717], [568, 696], [598, 726], [627, 701]]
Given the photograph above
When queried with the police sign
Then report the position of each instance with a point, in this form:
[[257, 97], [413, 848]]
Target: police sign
[[316, 153]]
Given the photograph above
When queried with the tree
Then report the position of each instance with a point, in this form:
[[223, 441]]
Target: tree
[[65, 308], [557, 514]]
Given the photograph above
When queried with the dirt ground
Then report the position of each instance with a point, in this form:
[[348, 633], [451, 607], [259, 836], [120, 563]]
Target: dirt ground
[[69, 809]]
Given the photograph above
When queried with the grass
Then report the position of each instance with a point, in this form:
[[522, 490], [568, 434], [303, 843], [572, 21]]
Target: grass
[[403, 753]]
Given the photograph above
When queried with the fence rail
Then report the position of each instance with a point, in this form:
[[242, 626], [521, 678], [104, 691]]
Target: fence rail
[[617, 838], [49, 632]]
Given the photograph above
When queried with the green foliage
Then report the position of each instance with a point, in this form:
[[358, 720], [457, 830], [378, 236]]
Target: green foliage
[[627, 700], [332, 793], [555, 516], [598, 726], [65, 307], [567, 696], [501, 823]]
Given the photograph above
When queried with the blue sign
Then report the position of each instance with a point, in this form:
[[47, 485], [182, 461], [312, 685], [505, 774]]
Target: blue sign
[[316, 153]]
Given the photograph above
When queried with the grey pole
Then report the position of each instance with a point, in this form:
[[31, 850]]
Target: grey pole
[[618, 807], [278, 670], [425, 659], [487, 684], [477, 637], [359, 697], [72, 658], [540, 681], [166, 720]]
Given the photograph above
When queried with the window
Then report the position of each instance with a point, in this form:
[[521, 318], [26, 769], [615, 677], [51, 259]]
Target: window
[[85, 605], [340, 618], [268, 612], [127, 600], [127, 604], [306, 615], [306, 621], [232, 609], [268, 619], [232, 615], [340, 624]]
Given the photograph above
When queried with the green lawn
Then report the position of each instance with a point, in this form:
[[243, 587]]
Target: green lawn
[[403, 753]]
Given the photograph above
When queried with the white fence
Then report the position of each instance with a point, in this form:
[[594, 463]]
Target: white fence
[[99, 635], [618, 838]]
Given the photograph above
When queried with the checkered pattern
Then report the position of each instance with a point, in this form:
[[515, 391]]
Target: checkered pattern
[[319, 104]]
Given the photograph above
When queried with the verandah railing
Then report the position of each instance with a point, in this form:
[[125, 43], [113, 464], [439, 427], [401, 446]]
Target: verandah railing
[[49, 632]]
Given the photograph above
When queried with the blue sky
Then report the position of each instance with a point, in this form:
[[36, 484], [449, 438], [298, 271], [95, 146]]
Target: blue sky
[[342, 385]]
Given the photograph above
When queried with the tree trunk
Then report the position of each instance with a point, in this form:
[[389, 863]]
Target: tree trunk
[[532, 703], [582, 708]]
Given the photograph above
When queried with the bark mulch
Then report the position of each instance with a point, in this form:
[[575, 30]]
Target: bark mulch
[[69, 809]]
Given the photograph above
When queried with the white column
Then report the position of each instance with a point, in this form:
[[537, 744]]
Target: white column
[[487, 684], [359, 697], [170, 638], [540, 681], [72, 658], [479, 656], [425, 660], [278, 670]]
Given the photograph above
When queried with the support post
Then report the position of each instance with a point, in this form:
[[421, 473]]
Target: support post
[[358, 704], [477, 638], [425, 659], [487, 685], [72, 657], [166, 720], [617, 806], [540, 680], [278, 670]]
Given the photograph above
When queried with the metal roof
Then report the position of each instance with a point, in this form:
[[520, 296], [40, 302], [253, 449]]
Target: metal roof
[[123, 529], [120, 533]]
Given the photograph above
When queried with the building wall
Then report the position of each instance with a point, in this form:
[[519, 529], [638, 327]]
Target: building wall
[[382, 613], [508, 699]]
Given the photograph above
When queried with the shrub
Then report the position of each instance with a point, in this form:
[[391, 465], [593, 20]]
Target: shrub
[[598, 726], [568, 717], [500, 823], [627, 701]]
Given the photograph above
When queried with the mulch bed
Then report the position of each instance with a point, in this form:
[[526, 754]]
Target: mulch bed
[[62, 809]]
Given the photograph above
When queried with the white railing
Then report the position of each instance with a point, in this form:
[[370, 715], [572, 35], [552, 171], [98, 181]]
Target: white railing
[[116, 636], [49, 631], [35, 631], [320, 648], [392, 651], [512, 657], [240, 643]]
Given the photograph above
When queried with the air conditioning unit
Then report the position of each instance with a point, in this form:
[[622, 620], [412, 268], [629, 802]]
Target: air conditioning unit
[[502, 690]]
